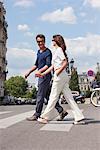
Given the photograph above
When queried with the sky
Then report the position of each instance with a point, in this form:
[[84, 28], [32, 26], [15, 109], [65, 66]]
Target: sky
[[77, 21]]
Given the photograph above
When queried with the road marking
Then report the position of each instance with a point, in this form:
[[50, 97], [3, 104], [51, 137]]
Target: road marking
[[7, 122], [64, 125], [5, 112], [59, 125]]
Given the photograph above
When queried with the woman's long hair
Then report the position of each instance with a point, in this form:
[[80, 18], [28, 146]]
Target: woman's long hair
[[61, 43]]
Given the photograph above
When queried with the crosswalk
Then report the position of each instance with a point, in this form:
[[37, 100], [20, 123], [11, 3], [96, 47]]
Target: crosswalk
[[5, 112], [64, 125], [7, 122], [53, 125]]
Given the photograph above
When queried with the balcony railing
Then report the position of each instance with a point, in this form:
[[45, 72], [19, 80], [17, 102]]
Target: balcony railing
[[3, 74]]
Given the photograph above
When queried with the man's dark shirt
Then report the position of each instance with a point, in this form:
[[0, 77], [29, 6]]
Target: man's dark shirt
[[44, 58]]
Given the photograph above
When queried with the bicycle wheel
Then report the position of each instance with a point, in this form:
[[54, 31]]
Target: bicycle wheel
[[95, 98]]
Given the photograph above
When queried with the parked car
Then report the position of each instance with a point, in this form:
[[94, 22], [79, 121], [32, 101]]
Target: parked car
[[18, 101], [33, 101], [8, 100], [77, 97], [11, 100], [28, 101], [75, 93]]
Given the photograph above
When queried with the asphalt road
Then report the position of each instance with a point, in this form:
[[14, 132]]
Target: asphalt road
[[16, 133]]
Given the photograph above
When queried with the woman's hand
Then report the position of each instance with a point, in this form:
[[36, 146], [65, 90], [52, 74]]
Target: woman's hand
[[57, 72]]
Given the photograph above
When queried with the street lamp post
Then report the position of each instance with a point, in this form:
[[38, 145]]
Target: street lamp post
[[71, 64], [98, 67]]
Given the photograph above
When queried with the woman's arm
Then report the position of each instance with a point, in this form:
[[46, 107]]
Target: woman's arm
[[48, 70], [37, 73]]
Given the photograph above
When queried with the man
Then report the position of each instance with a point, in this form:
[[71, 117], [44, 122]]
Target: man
[[43, 61]]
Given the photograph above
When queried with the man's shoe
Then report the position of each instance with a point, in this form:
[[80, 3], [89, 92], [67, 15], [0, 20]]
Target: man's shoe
[[33, 118], [62, 115]]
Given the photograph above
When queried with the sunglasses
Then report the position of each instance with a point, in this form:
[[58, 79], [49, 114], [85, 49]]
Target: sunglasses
[[40, 41]]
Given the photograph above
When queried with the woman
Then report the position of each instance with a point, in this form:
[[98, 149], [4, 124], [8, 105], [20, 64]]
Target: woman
[[60, 82]]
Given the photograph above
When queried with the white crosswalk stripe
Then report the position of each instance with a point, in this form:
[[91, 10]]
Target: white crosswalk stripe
[[7, 122], [65, 125], [5, 112]]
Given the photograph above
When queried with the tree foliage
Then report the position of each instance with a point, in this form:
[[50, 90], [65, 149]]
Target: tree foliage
[[74, 84], [98, 76], [16, 86], [31, 94], [34, 92]]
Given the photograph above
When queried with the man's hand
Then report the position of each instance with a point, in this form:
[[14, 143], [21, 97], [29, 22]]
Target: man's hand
[[39, 74], [26, 75]]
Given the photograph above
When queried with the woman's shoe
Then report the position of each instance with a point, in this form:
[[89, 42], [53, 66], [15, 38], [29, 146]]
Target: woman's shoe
[[42, 120], [79, 122]]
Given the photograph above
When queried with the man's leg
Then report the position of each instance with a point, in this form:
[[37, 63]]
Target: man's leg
[[47, 94], [61, 111], [59, 107], [42, 89]]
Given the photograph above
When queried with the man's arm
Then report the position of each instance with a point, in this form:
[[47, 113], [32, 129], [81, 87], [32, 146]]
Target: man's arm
[[37, 73], [48, 64], [30, 71]]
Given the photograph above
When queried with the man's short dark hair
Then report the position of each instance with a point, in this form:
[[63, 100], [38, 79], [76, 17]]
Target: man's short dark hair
[[40, 36]]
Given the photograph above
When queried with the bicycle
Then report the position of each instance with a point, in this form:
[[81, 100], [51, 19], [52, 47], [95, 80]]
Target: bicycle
[[95, 97]]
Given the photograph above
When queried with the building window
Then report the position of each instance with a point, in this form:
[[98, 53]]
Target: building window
[[82, 88], [0, 68], [85, 87]]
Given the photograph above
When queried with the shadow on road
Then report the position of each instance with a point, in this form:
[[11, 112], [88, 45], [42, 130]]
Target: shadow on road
[[71, 120]]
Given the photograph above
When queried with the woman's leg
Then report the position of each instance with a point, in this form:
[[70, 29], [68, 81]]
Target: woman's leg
[[54, 95], [68, 96]]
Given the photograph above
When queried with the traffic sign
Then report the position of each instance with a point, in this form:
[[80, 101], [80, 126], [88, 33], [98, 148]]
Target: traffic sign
[[90, 73]]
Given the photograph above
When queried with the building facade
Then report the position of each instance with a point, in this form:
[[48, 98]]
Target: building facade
[[84, 83], [3, 49]]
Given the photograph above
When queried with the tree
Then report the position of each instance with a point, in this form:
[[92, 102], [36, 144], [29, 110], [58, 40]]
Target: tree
[[74, 84], [16, 86], [31, 94], [34, 92]]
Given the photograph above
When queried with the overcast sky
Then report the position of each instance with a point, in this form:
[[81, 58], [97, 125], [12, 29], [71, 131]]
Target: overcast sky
[[77, 21]]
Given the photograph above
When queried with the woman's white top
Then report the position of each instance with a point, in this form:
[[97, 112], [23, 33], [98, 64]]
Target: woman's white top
[[58, 57]]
